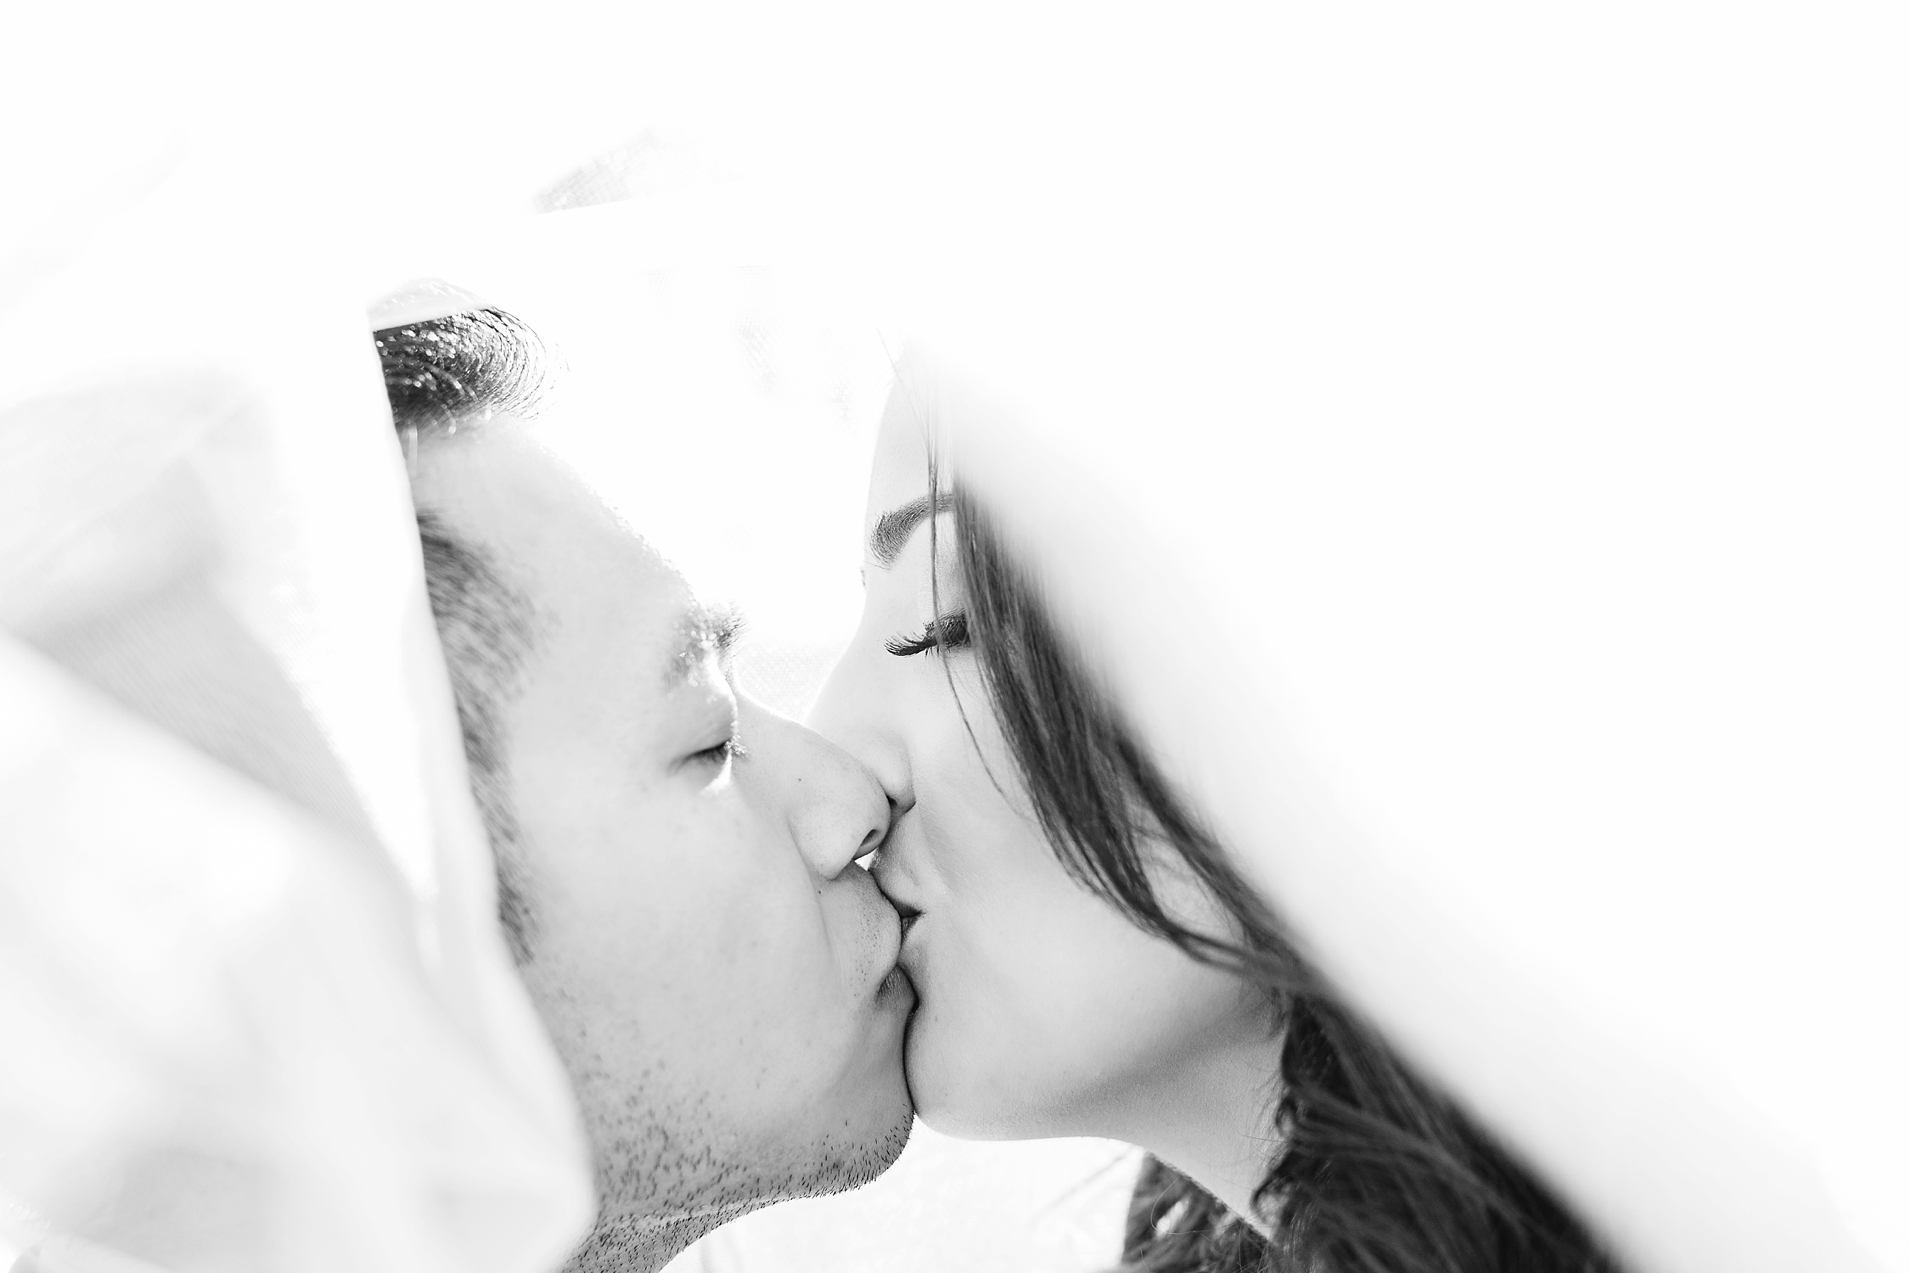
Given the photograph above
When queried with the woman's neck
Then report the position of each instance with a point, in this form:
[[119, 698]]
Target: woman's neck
[[1213, 1121]]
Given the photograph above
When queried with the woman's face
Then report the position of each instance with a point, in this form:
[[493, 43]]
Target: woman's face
[[1042, 1011]]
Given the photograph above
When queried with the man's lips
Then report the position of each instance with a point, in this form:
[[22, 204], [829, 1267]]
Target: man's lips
[[908, 959], [905, 917], [881, 869]]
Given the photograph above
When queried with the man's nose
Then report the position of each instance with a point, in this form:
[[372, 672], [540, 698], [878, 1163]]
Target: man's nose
[[835, 809], [849, 818]]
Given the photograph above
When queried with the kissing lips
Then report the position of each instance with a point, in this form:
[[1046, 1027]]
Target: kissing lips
[[898, 975], [897, 978]]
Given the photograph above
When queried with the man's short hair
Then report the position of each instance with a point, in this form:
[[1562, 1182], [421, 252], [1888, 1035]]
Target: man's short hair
[[444, 375]]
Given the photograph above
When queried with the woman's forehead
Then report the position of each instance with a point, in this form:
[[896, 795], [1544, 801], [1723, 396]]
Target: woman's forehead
[[901, 462]]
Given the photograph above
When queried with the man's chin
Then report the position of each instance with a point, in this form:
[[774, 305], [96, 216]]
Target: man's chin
[[847, 1168], [869, 1133], [635, 1234]]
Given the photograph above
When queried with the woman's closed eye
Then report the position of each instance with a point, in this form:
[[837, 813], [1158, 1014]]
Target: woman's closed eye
[[949, 632]]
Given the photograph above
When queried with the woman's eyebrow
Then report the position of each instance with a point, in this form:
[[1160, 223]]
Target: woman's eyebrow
[[893, 528]]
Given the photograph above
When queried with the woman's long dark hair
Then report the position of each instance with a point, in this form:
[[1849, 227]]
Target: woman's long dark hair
[[1375, 1170]]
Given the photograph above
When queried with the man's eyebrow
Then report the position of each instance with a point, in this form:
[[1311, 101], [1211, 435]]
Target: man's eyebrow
[[704, 630], [893, 528]]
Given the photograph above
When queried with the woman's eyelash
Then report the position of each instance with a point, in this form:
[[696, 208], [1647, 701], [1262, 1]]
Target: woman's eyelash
[[950, 632]]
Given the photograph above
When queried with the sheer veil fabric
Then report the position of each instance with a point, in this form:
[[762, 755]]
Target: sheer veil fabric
[[1529, 615], [256, 1009]]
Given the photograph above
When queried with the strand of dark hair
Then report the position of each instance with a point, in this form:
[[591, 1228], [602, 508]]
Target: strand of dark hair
[[1376, 1171], [441, 373]]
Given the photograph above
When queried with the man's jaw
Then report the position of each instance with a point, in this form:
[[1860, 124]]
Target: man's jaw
[[637, 1242]]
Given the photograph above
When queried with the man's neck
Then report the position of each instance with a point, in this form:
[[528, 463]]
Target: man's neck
[[640, 1243]]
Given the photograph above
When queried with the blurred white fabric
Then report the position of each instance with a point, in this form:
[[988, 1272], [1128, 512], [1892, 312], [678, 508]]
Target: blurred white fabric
[[224, 1048], [256, 1009], [1496, 512]]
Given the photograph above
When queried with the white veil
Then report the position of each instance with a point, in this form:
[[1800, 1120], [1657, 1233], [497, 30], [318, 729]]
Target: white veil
[[255, 1007]]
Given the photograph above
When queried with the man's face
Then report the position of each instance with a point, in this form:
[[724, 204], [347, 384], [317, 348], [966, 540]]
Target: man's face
[[715, 970]]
